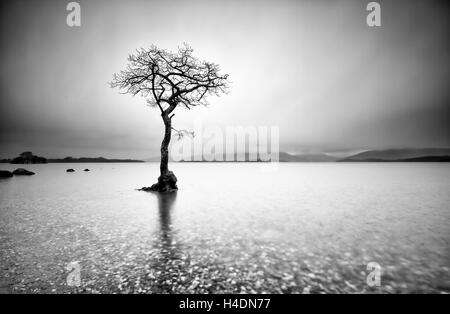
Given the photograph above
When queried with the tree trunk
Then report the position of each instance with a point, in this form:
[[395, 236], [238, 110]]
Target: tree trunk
[[167, 181], [164, 166]]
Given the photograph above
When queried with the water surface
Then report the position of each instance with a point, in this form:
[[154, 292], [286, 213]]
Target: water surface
[[231, 227]]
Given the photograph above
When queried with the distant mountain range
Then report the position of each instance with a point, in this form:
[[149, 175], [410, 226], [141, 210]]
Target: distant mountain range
[[91, 159], [387, 155], [402, 154], [384, 155], [29, 158]]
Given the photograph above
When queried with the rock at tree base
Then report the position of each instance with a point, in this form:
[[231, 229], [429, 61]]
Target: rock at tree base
[[70, 170], [166, 183], [22, 172], [5, 174]]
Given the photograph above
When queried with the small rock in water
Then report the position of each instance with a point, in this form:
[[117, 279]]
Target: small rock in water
[[70, 170], [22, 172], [87, 169], [5, 174]]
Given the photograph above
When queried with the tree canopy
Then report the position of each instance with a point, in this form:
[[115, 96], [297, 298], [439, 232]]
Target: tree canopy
[[170, 79]]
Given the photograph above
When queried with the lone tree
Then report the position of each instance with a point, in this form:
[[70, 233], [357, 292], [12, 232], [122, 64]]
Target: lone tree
[[169, 80]]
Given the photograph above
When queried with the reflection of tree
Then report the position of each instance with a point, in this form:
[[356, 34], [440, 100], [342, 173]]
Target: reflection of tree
[[169, 264], [165, 204]]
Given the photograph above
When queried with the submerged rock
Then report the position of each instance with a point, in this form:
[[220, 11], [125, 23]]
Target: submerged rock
[[5, 174], [70, 170], [22, 172], [166, 183]]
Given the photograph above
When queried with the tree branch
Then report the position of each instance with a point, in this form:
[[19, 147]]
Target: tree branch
[[170, 78]]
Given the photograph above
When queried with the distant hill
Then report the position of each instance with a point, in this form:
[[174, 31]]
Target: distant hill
[[405, 154], [28, 158], [427, 159], [90, 159]]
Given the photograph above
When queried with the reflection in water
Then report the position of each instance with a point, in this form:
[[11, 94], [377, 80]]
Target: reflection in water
[[169, 264], [165, 205]]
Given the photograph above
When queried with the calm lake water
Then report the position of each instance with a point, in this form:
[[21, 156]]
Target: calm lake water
[[231, 227]]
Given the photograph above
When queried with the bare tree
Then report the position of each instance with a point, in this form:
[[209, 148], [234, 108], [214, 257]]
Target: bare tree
[[170, 80]]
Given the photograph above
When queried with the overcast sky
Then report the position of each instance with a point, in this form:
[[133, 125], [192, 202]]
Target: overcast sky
[[313, 68]]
